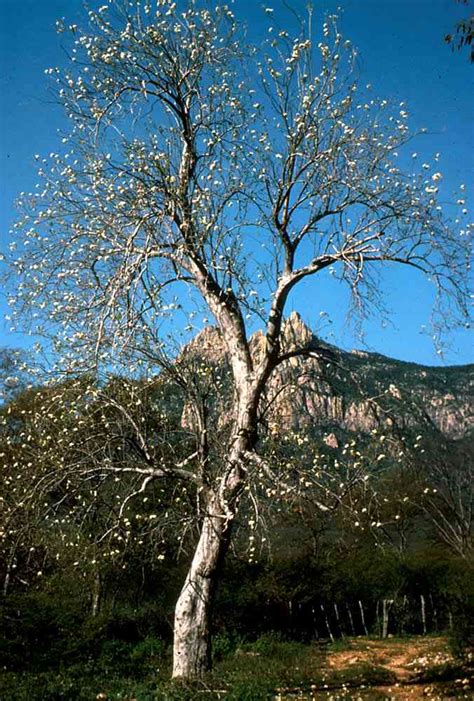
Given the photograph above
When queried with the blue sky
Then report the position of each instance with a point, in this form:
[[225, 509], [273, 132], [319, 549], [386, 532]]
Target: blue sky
[[403, 56]]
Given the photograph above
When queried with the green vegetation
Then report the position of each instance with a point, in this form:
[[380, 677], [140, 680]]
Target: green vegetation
[[88, 609], [252, 672], [55, 650]]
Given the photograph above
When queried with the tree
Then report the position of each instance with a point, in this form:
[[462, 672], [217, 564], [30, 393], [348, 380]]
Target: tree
[[464, 34], [447, 499], [203, 176], [12, 377], [60, 508]]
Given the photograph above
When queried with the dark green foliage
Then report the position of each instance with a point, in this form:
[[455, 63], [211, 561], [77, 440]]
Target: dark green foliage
[[80, 684], [225, 644], [253, 671], [462, 633], [39, 628], [261, 610], [442, 672], [306, 587]]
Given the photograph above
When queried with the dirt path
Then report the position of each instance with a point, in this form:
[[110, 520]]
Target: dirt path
[[403, 658], [358, 671]]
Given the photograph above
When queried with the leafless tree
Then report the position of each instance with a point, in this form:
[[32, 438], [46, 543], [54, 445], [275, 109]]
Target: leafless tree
[[202, 176], [447, 497]]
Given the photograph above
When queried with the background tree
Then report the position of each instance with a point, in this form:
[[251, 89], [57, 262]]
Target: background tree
[[463, 33], [446, 495], [189, 186], [12, 373]]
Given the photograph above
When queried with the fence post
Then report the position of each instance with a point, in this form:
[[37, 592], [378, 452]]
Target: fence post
[[423, 613], [327, 623], [363, 617], [338, 620], [351, 621]]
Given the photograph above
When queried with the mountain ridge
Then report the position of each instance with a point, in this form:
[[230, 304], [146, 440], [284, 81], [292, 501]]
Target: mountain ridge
[[357, 390]]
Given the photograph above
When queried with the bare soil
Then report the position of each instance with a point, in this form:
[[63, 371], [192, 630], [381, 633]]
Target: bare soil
[[405, 659]]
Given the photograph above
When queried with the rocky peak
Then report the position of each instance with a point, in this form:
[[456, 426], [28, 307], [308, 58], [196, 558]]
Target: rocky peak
[[208, 344], [295, 333], [363, 391]]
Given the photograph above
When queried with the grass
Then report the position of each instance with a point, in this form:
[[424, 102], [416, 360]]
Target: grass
[[243, 672], [249, 672], [363, 674], [443, 672]]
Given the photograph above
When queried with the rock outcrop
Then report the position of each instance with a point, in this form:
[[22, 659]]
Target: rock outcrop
[[357, 391]]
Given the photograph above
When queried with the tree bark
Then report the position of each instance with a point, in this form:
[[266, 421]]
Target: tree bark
[[96, 594], [192, 621]]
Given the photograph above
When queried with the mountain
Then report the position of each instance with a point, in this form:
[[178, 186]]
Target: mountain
[[355, 391]]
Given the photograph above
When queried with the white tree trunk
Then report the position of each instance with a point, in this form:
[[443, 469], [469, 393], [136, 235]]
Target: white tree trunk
[[423, 614], [192, 638], [192, 620], [362, 616]]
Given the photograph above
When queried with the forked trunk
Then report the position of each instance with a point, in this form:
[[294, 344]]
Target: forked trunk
[[192, 620], [192, 635]]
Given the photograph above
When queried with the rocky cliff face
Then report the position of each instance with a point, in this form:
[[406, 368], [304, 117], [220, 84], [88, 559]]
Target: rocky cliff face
[[356, 391], [361, 391]]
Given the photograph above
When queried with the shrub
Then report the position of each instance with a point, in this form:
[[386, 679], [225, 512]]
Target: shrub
[[461, 639], [225, 644], [148, 651]]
